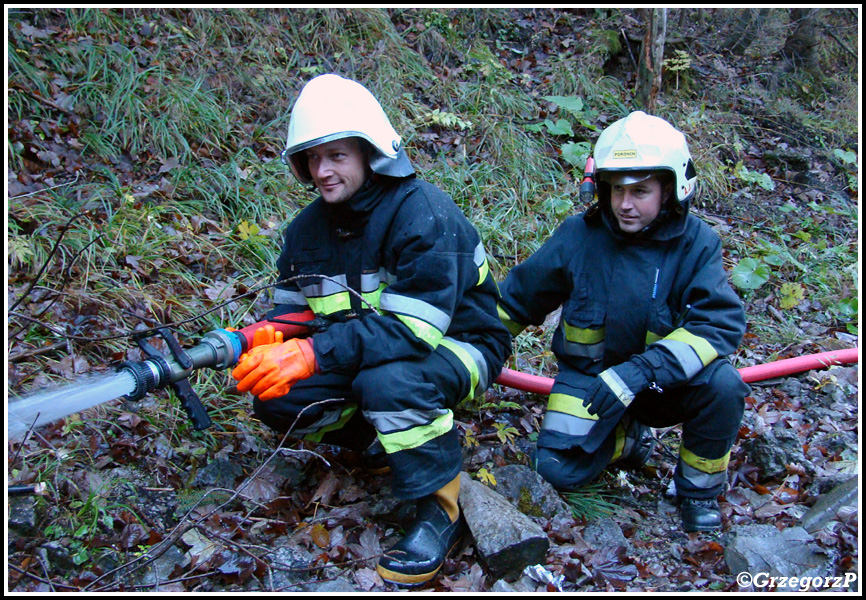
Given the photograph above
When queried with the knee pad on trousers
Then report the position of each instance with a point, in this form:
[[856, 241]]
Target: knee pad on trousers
[[568, 470]]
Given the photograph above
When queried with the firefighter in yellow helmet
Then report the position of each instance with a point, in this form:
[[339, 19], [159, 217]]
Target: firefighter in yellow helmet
[[402, 277], [647, 320]]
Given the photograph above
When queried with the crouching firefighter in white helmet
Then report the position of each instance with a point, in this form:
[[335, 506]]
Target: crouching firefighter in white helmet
[[647, 320], [402, 276]]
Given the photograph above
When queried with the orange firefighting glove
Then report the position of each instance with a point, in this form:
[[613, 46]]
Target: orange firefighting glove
[[266, 335], [270, 371]]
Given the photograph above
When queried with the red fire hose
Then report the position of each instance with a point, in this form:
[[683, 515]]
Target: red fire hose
[[542, 385], [293, 324]]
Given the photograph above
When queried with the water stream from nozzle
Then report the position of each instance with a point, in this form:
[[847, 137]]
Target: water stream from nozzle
[[47, 407]]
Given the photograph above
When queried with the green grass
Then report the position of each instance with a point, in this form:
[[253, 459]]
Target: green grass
[[591, 502]]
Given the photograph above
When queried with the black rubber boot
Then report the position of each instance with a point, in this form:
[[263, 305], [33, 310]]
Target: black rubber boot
[[639, 445], [700, 514], [436, 531], [375, 459]]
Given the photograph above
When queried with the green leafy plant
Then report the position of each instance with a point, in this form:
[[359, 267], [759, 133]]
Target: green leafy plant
[[750, 274], [849, 163], [505, 432], [752, 177], [444, 120], [679, 63], [791, 294]]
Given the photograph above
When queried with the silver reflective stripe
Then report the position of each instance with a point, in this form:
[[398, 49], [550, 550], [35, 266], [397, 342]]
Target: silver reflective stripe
[[412, 307], [591, 351], [699, 479], [686, 356], [370, 281], [328, 418], [617, 386], [480, 256], [334, 284], [390, 421], [284, 296], [568, 424]]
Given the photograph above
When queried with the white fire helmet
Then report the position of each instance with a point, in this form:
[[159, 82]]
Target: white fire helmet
[[330, 108], [631, 149]]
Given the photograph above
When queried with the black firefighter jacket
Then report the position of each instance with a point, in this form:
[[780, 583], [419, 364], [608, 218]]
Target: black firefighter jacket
[[404, 248], [664, 299]]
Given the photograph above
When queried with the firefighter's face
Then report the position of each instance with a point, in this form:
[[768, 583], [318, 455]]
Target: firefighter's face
[[338, 169], [635, 205]]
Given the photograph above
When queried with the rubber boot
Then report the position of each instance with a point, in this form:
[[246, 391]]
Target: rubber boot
[[374, 458], [436, 531], [700, 514], [639, 445]]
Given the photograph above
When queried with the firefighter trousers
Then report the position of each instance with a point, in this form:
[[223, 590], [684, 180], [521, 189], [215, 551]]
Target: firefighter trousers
[[710, 408], [406, 404]]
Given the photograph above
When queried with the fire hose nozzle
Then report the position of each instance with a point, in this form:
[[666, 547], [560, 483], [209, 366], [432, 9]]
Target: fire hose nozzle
[[147, 375]]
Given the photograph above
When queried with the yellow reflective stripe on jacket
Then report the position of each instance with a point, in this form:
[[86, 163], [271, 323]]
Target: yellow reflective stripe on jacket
[[705, 465], [422, 330], [570, 405], [481, 262], [329, 305], [372, 299], [652, 338], [566, 414], [513, 326], [417, 436], [702, 347], [619, 444], [580, 335]]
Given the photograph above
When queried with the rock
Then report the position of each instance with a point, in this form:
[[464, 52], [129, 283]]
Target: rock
[[824, 511], [335, 586], [604, 532], [161, 569], [774, 450], [289, 567], [22, 515], [220, 473], [763, 551], [507, 540], [58, 555], [529, 492]]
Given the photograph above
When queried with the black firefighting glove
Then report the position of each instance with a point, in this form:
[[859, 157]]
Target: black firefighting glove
[[614, 389]]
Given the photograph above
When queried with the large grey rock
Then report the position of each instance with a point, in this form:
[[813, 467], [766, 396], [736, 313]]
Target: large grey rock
[[825, 509], [790, 553], [603, 533], [774, 450], [530, 493], [507, 540]]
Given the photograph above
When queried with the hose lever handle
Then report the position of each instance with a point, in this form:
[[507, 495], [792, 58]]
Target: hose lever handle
[[192, 404]]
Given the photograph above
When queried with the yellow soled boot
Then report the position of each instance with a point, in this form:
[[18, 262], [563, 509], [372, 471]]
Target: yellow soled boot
[[436, 531]]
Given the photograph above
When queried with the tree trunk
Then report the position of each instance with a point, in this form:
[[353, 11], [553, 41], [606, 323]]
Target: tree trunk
[[744, 32], [800, 45], [649, 76]]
